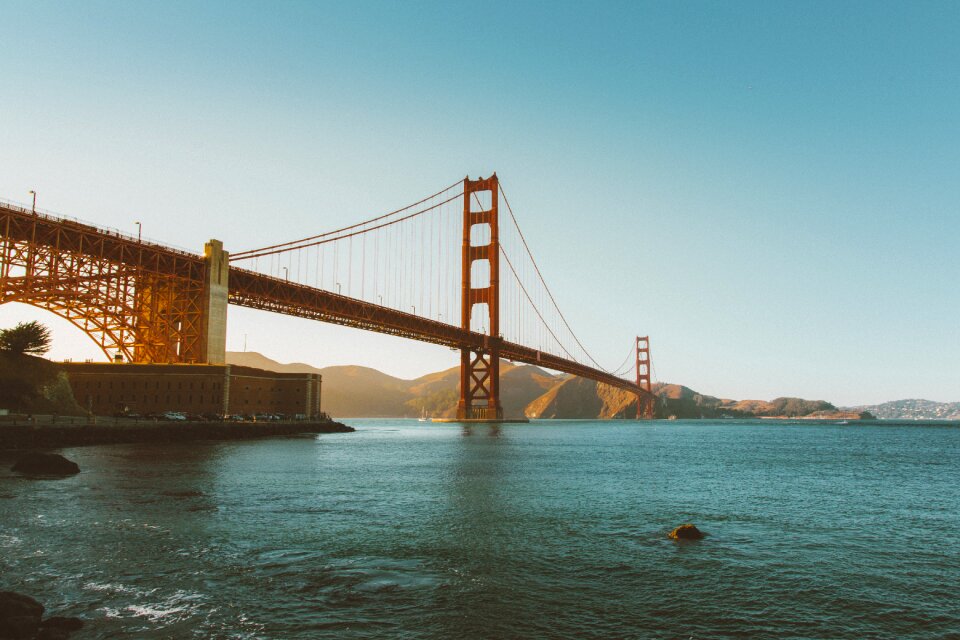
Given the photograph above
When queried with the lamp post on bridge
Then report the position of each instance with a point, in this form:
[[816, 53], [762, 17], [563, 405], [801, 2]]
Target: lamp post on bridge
[[33, 209], [139, 231], [286, 273], [338, 288]]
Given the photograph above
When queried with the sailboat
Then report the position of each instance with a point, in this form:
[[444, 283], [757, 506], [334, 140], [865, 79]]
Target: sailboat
[[423, 415]]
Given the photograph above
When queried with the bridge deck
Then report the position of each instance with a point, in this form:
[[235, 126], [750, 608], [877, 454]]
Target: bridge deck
[[258, 291]]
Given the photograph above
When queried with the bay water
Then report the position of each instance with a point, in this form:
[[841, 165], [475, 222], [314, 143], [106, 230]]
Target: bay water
[[553, 529]]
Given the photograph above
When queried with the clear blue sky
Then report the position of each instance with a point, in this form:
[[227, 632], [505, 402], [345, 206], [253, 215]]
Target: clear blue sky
[[770, 190]]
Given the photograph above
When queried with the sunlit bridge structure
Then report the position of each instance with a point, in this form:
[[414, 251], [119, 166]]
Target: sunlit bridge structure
[[449, 269]]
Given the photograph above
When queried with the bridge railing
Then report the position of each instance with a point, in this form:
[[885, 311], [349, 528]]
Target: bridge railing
[[51, 216]]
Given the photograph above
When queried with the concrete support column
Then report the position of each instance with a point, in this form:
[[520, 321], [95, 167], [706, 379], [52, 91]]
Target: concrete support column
[[215, 302]]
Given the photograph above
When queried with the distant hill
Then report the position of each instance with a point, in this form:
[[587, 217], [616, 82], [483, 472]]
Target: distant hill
[[352, 391], [260, 361], [580, 398], [348, 391], [786, 407], [913, 409]]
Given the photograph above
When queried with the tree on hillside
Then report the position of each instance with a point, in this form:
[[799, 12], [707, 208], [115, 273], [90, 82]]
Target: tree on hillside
[[26, 337]]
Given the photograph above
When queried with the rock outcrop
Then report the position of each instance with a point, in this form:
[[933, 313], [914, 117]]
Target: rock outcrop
[[46, 464], [21, 619], [686, 532], [59, 627]]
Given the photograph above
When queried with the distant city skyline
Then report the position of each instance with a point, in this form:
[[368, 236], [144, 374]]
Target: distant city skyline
[[768, 190]]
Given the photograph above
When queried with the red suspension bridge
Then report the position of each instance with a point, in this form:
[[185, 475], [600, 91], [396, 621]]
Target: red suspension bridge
[[448, 269]]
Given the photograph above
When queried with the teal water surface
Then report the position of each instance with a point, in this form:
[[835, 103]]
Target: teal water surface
[[546, 530]]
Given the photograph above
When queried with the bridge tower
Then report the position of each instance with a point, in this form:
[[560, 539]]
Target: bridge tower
[[480, 368], [645, 403]]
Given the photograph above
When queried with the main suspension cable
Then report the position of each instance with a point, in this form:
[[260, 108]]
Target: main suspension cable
[[323, 239], [242, 255], [546, 288]]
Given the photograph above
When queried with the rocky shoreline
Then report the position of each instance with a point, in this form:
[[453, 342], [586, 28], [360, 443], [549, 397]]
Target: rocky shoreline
[[23, 437]]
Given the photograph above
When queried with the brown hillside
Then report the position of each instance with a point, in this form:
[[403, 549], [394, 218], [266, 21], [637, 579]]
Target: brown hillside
[[348, 391], [351, 391], [573, 398], [435, 394], [433, 382], [756, 407], [438, 393], [788, 407], [521, 385], [579, 398], [260, 361], [683, 402]]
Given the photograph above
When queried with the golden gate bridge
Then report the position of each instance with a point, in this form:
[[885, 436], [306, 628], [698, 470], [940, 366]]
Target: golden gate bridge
[[449, 269]]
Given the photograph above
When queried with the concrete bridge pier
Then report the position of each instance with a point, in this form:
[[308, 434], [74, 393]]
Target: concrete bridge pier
[[215, 290]]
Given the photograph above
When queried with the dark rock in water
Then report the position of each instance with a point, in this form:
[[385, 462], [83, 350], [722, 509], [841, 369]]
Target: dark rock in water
[[17, 604], [19, 615], [53, 633], [62, 622], [686, 532], [46, 464], [18, 627]]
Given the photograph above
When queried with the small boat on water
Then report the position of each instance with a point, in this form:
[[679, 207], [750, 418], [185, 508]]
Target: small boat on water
[[423, 416]]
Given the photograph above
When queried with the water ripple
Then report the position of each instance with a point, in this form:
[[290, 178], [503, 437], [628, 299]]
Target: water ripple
[[415, 531]]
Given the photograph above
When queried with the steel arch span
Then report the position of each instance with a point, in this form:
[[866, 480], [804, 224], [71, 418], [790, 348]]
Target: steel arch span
[[137, 301]]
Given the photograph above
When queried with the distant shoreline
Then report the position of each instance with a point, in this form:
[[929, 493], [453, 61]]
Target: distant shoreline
[[48, 436]]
